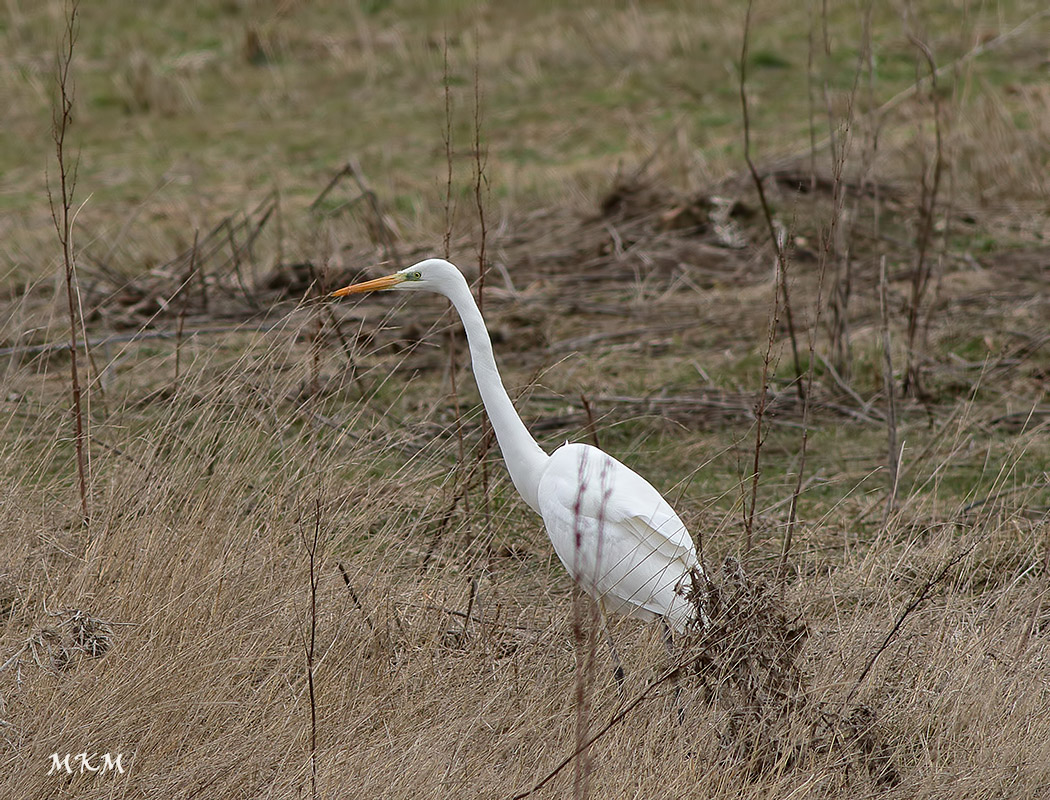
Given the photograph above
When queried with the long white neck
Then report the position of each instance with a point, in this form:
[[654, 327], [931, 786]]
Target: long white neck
[[524, 457]]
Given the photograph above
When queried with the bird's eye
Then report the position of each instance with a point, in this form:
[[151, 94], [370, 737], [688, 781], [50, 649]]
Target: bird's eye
[[415, 276]]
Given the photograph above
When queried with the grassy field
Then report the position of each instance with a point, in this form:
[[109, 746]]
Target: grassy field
[[303, 571]]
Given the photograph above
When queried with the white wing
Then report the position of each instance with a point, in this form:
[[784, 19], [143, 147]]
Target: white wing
[[615, 534]]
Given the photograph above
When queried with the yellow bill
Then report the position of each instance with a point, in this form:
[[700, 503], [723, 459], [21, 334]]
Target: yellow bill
[[387, 282]]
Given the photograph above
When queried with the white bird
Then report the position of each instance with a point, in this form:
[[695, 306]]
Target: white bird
[[617, 537]]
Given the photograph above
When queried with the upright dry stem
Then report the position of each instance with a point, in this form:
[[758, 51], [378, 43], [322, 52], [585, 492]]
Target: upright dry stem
[[767, 213], [929, 188], [479, 180], [840, 154], [184, 291], [310, 543], [447, 135], [774, 317], [61, 120], [893, 454], [479, 200]]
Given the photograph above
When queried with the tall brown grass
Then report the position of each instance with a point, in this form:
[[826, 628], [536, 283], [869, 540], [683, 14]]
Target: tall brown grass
[[194, 594]]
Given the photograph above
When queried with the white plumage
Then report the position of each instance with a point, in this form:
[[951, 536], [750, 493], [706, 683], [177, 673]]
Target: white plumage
[[617, 537]]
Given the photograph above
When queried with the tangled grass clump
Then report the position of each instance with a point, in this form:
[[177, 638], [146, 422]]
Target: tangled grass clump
[[748, 662]]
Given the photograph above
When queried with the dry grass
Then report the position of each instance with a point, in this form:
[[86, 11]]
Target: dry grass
[[904, 655], [197, 673]]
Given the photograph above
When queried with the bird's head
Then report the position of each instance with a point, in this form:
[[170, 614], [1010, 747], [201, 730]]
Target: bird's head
[[431, 275]]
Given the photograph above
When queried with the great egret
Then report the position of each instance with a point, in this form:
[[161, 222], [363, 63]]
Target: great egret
[[617, 537]]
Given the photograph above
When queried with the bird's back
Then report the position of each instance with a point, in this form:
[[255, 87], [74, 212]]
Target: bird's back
[[617, 536]]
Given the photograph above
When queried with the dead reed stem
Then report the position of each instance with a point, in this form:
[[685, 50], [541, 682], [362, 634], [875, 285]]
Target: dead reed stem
[[310, 544], [893, 453], [479, 201], [479, 179], [774, 318], [453, 357], [775, 238], [592, 428], [183, 307], [838, 196], [615, 720], [917, 600], [922, 272], [446, 132], [61, 120], [585, 638]]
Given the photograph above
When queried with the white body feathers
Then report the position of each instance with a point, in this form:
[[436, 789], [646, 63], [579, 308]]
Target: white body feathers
[[618, 538]]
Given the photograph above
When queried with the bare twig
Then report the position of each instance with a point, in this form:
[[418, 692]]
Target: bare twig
[[893, 454], [342, 173], [453, 358], [61, 120], [616, 719], [1005, 493], [479, 180], [836, 214], [479, 200], [838, 240], [913, 604], [843, 384], [355, 599], [930, 188], [585, 640], [235, 258], [811, 106], [775, 237], [462, 494], [386, 234], [382, 228], [182, 308], [740, 610], [447, 135], [310, 543], [779, 284], [592, 429]]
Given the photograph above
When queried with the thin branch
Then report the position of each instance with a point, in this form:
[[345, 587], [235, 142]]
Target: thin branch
[[836, 213], [479, 181], [61, 120], [310, 543], [447, 135], [775, 237], [592, 428], [615, 720], [1005, 493], [928, 202], [774, 319], [893, 455], [387, 237], [915, 602], [183, 307], [453, 359], [354, 598]]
